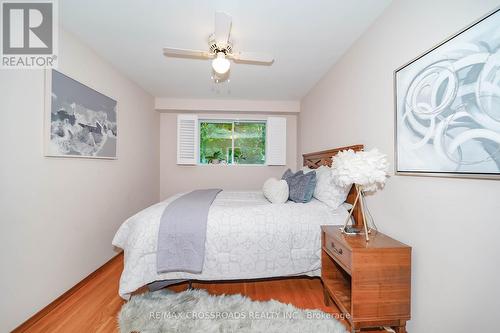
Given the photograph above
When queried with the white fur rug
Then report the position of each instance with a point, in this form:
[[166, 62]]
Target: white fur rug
[[198, 311]]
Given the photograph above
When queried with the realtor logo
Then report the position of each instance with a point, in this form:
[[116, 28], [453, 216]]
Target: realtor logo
[[29, 36]]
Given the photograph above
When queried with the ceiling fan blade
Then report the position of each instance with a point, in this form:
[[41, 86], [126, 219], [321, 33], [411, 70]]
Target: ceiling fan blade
[[252, 57], [185, 53], [222, 28]]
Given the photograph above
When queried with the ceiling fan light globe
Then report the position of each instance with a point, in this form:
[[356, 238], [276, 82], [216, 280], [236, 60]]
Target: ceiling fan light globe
[[220, 64]]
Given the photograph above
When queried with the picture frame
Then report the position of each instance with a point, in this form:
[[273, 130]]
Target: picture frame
[[447, 106], [79, 121]]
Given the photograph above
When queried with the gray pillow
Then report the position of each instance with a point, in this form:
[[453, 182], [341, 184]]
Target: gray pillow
[[288, 173], [300, 186]]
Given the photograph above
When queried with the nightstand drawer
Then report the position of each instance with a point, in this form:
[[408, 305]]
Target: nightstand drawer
[[340, 252]]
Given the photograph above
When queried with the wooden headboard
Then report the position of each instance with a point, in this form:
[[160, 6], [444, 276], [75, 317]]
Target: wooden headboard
[[317, 159]]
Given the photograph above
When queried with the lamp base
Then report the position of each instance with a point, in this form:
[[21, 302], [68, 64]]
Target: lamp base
[[359, 200], [350, 230]]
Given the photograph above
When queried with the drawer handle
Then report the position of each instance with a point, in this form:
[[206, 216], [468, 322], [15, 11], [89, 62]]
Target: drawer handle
[[339, 251]]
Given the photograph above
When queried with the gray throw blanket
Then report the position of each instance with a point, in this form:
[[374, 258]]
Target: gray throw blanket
[[182, 233]]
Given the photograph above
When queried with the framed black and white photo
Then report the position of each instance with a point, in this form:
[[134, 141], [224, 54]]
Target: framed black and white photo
[[80, 121], [447, 104]]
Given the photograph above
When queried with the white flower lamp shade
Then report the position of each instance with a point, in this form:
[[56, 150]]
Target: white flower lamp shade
[[367, 170]]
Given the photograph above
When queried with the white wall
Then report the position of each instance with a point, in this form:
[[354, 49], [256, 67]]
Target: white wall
[[452, 224], [178, 178], [58, 216]]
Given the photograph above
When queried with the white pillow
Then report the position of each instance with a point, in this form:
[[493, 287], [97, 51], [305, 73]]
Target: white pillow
[[307, 169], [327, 191], [276, 191]]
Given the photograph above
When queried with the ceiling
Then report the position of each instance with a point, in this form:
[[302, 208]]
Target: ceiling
[[305, 36]]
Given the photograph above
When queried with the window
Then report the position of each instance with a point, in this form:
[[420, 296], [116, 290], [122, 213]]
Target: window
[[214, 141], [232, 142]]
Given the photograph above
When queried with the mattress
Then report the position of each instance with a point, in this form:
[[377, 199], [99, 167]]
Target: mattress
[[247, 238]]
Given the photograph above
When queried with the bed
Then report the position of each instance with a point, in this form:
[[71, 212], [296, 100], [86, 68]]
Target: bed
[[247, 237]]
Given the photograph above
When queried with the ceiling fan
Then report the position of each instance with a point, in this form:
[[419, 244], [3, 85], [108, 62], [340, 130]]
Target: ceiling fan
[[220, 49]]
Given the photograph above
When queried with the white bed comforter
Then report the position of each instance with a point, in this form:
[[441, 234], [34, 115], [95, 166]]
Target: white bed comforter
[[247, 238]]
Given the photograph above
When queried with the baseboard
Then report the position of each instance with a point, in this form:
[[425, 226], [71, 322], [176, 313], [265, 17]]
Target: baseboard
[[43, 312]]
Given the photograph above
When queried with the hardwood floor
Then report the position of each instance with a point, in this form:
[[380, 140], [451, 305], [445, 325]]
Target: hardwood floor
[[94, 306]]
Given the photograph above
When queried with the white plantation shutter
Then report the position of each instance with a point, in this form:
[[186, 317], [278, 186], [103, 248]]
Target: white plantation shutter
[[276, 141], [187, 139]]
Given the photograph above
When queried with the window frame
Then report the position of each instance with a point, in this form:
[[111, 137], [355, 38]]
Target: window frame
[[231, 121]]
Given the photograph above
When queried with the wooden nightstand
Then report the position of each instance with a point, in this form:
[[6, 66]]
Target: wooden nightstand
[[369, 281]]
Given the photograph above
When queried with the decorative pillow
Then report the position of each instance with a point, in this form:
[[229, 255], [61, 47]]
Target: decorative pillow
[[276, 191], [288, 173], [327, 191], [300, 186]]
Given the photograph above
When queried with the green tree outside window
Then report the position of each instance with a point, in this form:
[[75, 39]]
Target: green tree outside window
[[218, 138]]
